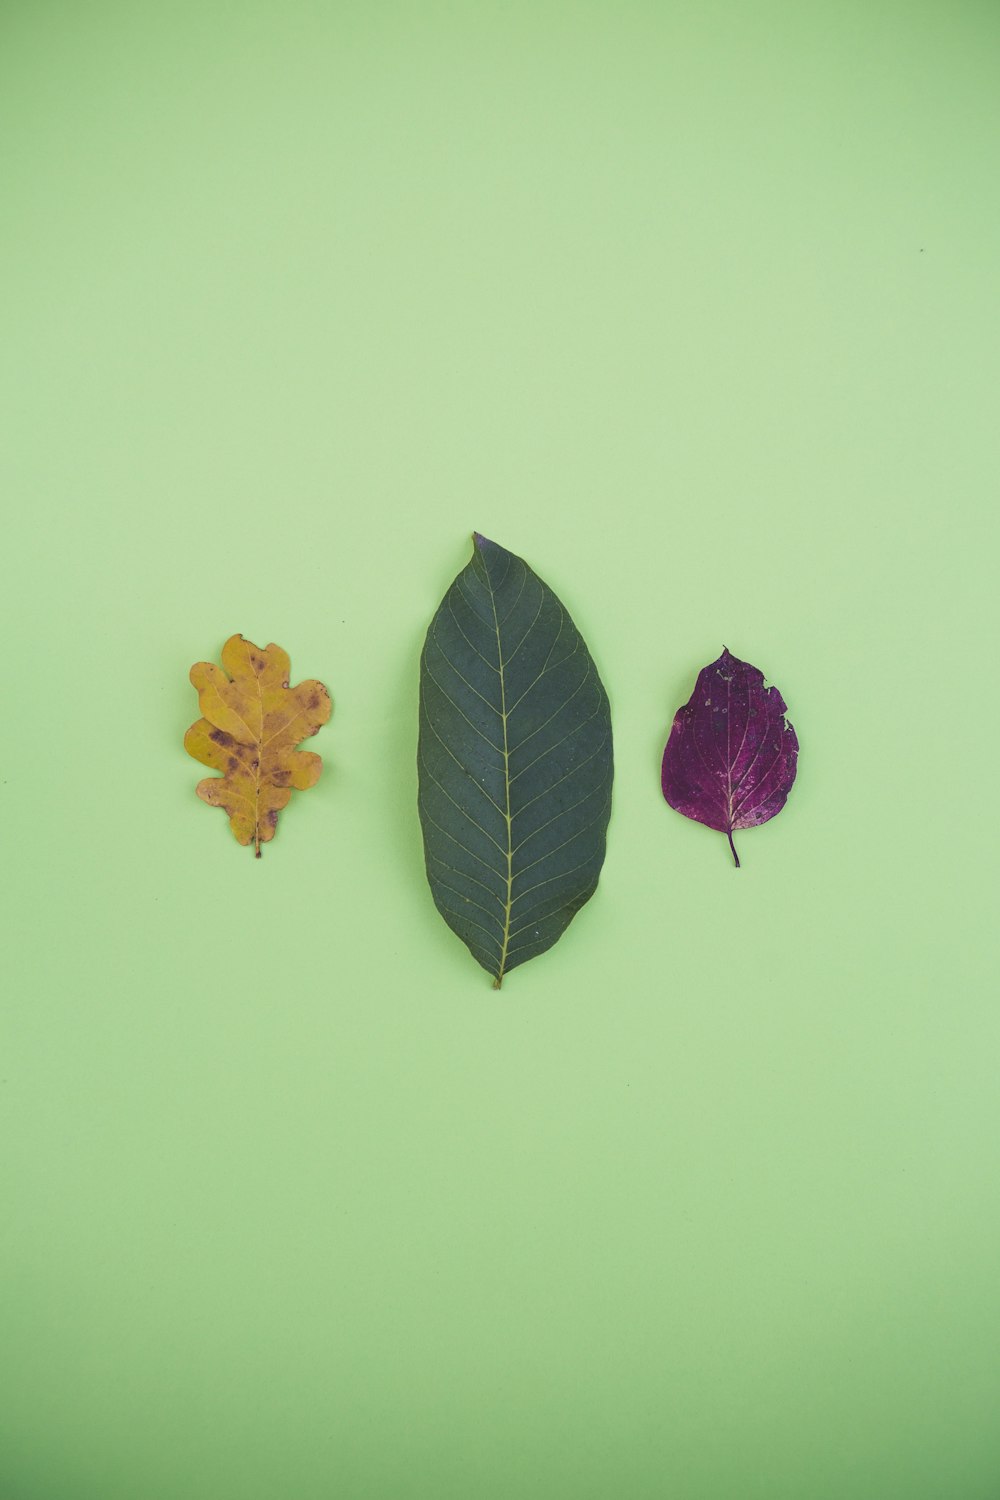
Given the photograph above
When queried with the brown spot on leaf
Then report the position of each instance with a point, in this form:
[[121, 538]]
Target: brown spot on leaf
[[220, 737]]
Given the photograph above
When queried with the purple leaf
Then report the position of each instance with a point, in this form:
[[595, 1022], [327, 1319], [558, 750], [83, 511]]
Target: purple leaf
[[731, 757]]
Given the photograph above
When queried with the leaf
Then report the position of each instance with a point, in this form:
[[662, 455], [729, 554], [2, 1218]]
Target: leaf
[[514, 760], [252, 722], [731, 757]]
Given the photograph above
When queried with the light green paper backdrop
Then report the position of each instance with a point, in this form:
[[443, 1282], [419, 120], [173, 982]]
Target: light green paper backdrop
[[696, 307]]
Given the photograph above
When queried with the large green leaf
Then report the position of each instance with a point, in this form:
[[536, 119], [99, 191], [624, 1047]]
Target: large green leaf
[[515, 761]]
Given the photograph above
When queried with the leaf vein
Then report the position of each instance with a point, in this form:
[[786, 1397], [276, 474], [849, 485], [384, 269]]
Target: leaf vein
[[464, 811], [457, 842], [541, 602], [556, 712], [461, 917], [458, 710], [567, 736], [580, 765], [436, 880], [549, 853], [524, 579], [464, 769], [461, 675], [562, 813], [464, 874], [471, 644]]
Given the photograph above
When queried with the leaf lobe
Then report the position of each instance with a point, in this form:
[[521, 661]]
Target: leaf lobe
[[251, 724]]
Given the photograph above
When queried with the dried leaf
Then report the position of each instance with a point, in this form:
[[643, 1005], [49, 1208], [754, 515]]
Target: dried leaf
[[252, 723], [515, 762], [731, 757]]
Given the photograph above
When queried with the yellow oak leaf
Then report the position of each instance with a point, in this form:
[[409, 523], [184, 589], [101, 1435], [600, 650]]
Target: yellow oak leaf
[[252, 723]]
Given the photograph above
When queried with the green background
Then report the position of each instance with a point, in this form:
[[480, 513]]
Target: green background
[[695, 306]]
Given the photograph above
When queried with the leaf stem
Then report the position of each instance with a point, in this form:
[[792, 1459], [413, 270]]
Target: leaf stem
[[736, 858]]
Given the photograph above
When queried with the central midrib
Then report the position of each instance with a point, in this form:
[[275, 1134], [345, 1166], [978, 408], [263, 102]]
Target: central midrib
[[260, 752], [729, 751], [506, 788]]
